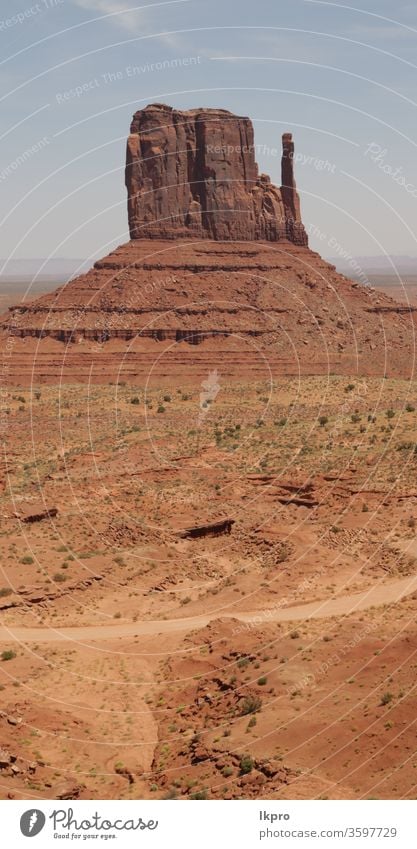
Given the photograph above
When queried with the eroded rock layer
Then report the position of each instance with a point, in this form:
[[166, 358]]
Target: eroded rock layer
[[183, 308]]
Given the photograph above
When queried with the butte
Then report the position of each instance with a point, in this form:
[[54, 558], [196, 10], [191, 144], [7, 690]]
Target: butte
[[217, 275]]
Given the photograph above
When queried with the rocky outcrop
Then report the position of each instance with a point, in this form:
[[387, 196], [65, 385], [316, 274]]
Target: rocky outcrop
[[212, 529], [29, 513], [195, 173]]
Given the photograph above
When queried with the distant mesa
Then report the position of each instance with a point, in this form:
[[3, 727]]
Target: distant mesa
[[194, 173]]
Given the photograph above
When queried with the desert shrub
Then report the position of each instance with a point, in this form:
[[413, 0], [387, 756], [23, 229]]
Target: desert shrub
[[5, 591], [171, 794], [409, 408], [250, 704], [323, 420], [390, 414], [283, 553], [59, 577], [135, 400], [227, 771], [386, 698], [262, 680], [161, 409], [27, 560], [8, 654], [246, 764], [200, 794]]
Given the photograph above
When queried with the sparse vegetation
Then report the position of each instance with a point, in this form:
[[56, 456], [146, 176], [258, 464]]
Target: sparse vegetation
[[250, 704], [8, 654], [246, 764]]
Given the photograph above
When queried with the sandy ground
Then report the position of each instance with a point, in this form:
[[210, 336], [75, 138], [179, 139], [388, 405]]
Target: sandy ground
[[274, 661]]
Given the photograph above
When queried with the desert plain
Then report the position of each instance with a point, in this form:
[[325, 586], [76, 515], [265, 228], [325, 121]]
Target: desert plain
[[209, 597]]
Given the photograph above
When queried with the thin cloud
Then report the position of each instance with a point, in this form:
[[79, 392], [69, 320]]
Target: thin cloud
[[129, 17]]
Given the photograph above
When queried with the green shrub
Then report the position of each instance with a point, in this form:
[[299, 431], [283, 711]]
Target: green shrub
[[246, 764], [9, 654], [200, 794], [386, 698], [250, 704]]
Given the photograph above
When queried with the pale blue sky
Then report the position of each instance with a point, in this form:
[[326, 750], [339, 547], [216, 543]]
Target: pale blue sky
[[339, 78]]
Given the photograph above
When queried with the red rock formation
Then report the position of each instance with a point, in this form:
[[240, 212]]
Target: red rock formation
[[195, 173], [171, 306]]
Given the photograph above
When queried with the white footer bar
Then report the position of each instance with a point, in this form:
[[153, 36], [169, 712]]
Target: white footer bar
[[209, 824]]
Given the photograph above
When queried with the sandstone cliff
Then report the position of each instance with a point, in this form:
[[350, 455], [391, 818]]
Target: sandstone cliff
[[195, 173]]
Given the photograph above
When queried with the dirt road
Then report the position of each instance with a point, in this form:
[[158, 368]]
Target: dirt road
[[380, 594]]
